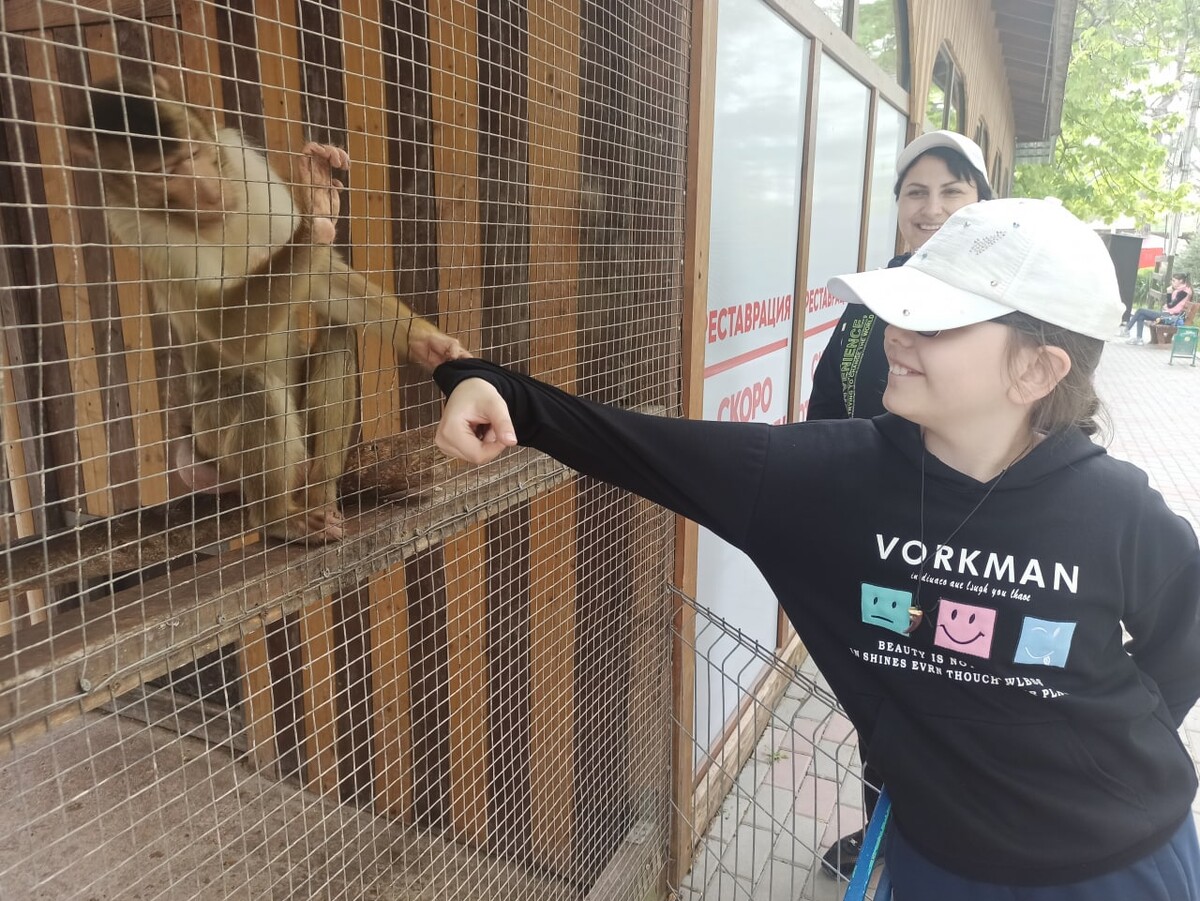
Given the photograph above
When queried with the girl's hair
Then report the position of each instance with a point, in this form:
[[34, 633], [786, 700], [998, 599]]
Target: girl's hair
[[959, 167], [1073, 401], [1183, 277]]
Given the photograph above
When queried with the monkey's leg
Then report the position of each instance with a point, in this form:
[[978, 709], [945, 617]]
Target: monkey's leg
[[251, 429], [330, 404]]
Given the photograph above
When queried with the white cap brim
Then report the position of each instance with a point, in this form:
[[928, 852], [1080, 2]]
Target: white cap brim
[[910, 299]]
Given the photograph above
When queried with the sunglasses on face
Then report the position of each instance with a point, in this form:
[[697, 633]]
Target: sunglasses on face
[[932, 334]]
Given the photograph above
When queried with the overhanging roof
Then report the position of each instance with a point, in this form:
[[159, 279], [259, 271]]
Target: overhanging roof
[[1036, 37]]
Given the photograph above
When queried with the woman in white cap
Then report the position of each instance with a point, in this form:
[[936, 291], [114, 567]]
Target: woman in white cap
[[1009, 616], [936, 174]]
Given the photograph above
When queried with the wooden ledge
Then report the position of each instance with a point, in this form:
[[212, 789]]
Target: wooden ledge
[[77, 660]]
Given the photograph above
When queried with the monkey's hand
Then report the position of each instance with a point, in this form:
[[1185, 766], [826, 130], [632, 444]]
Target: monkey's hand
[[430, 347], [475, 424], [319, 189]]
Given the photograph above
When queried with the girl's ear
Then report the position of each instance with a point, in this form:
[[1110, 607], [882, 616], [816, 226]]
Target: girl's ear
[[1041, 370]]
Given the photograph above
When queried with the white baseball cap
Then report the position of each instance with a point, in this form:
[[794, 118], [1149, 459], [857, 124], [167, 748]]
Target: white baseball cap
[[951, 139], [992, 258]]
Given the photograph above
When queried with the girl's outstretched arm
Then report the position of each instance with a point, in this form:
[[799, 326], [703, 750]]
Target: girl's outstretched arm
[[710, 472]]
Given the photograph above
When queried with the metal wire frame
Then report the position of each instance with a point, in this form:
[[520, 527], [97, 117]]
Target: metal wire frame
[[467, 695]]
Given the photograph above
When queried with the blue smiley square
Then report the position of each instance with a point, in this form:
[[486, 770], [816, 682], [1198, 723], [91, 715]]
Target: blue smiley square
[[1044, 643], [886, 608]]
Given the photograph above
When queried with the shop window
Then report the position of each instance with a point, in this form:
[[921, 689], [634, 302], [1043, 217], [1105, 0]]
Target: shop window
[[835, 9], [982, 139], [945, 105], [881, 30]]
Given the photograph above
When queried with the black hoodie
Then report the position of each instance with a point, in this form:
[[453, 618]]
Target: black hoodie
[[1023, 740]]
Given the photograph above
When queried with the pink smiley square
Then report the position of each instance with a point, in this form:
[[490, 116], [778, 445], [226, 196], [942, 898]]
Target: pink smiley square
[[964, 628]]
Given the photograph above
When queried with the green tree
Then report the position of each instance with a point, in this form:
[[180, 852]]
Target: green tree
[[1128, 61]]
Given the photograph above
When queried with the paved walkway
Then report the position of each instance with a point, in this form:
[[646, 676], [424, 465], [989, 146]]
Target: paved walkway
[[802, 786]]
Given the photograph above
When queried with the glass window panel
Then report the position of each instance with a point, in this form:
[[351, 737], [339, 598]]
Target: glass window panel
[[881, 217], [935, 108], [939, 89], [760, 103], [839, 164], [835, 9], [878, 34], [958, 105]]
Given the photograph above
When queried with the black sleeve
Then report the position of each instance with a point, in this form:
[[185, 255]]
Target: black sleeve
[[709, 472], [828, 399], [1164, 628]]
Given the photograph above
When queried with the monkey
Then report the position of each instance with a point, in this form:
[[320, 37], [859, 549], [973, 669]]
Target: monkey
[[264, 307]]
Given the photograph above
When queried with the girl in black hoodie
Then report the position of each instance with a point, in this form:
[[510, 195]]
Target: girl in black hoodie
[[963, 569]]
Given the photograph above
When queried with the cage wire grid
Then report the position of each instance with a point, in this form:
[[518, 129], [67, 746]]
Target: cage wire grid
[[468, 692]]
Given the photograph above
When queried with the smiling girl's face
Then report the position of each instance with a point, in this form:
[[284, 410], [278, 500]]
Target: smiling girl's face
[[928, 195]]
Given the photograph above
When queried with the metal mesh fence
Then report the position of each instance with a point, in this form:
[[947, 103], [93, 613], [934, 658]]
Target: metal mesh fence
[[257, 638]]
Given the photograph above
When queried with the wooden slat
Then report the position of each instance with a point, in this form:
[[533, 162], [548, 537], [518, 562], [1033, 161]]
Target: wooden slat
[[93, 271], [392, 767], [137, 633], [72, 418], [697, 213], [320, 710], [370, 225], [352, 659], [553, 187], [453, 74], [411, 190], [466, 632], [503, 180], [258, 708], [552, 615], [508, 679], [29, 15], [429, 683]]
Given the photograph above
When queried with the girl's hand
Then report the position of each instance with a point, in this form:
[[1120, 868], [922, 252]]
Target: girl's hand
[[475, 423]]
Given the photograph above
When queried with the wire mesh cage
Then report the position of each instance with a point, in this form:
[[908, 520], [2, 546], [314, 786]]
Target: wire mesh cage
[[414, 681]]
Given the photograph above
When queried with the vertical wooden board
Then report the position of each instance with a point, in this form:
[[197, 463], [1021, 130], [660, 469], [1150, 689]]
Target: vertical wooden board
[[466, 626], [258, 706], [279, 75], [553, 187], [370, 225], [552, 687], [92, 442], [134, 305], [199, 56], [429, 674], [504, 179], [320, 709], [650, 568], [453, 86], [390, 695], [510, 804], [352, 655], [18, 521]]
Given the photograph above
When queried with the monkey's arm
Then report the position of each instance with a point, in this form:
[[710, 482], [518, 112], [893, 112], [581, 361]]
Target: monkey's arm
[[347, 297]]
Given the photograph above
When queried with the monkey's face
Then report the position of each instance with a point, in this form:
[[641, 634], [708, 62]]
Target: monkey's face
[[189, 182]]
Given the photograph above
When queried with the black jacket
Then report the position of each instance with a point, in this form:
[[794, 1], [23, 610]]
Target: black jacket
[[853, 370], [1046, 752]]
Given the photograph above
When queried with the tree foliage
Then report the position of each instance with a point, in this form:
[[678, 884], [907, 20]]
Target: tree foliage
[[1129, 59]]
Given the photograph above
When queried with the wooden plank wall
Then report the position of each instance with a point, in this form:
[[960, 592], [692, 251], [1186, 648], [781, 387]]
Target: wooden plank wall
[[518, 176], [969, 31]]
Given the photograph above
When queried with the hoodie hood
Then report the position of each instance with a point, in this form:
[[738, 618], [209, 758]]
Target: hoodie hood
[[1056, 452]]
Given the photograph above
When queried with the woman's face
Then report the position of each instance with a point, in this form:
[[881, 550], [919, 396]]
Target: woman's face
[[928, 195]]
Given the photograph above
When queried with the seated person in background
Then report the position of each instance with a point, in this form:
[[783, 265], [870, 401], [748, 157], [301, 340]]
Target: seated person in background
[[1177, 301]]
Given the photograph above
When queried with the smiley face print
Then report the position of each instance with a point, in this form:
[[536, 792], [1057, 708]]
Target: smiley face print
[[886, 607], [965, 628], [1044, 643]]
